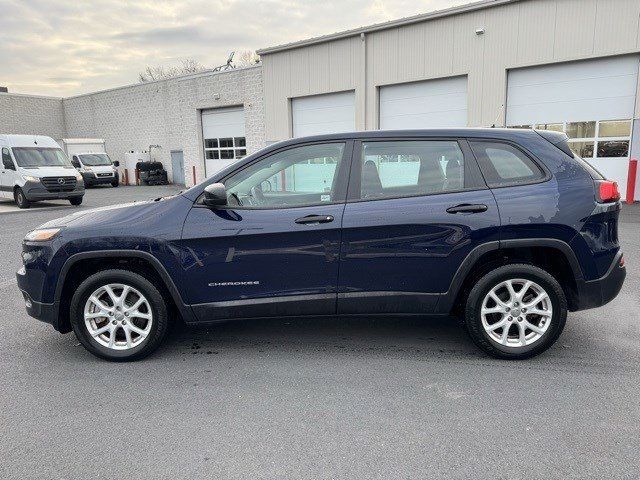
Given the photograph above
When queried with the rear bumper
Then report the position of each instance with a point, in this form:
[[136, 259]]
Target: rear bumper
[[601, 291]]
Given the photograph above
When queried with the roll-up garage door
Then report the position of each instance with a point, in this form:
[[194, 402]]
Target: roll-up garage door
[[319, 114], [592, 101], [224, 137], [430, 104]]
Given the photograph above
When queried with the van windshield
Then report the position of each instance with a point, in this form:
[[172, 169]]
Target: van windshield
[[95, 159], [33, 157]]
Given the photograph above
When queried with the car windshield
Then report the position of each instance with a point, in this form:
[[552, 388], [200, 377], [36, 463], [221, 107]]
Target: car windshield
[[95, 159], [33, 157]]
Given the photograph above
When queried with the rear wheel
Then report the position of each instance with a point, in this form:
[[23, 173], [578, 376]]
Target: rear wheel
[[516, 311], [119, 315], [75, 201], [21, 199]]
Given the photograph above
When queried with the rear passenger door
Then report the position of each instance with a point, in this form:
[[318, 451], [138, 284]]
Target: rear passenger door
[[416, 208]]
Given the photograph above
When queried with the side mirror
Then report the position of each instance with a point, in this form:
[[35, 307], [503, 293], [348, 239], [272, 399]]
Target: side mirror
[[215, 195], [116, 163]]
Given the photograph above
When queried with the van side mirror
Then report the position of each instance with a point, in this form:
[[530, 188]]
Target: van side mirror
[[116, 163], [215, 195]]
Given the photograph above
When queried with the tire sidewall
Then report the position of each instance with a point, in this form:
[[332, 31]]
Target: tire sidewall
[[20, 199], [158, 310], [476, 297]]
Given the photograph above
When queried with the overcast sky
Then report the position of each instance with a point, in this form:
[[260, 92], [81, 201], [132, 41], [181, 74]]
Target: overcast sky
[[67, 47]]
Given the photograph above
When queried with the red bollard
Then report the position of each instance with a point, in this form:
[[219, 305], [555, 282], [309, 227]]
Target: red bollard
[[194, 175], [631, 180], [126, 176]]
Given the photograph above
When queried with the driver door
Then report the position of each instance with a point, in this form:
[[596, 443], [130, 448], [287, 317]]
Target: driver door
[[273, 250]]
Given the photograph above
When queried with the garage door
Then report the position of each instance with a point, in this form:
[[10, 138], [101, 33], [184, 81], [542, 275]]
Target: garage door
[[429, 104], [224, 138], [592, 101], [319, 114]]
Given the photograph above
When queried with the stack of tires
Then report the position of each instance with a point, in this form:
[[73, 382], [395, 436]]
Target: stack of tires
[[152, 173]]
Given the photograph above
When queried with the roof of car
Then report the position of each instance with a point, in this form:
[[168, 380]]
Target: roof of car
[[497, 133]]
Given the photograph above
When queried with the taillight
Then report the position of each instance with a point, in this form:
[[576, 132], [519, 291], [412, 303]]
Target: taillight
[[607, 191]]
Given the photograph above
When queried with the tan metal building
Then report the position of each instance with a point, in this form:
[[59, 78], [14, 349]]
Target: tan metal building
[[569, 65]]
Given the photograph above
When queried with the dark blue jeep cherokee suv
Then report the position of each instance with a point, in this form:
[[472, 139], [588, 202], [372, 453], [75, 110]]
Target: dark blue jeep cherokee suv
[[504, 228]]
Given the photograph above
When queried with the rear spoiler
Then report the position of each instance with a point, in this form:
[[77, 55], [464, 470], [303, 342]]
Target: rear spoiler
[[557, 139], [560, 141]]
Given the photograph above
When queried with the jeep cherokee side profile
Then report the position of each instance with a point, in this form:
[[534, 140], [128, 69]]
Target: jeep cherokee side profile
[[506, 228]]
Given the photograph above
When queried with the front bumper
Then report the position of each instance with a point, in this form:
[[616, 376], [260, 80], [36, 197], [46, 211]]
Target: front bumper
[[601, 291], [45, 312], [36, 191], [93, 179]]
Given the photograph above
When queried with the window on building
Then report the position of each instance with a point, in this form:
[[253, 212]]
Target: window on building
[[504, 164], [409, 168], [594, 139], [227, 148]]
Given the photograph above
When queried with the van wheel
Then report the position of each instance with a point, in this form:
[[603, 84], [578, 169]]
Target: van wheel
[[118, 315], [115, 183], [76, 201], [20, 199], [516, 311]]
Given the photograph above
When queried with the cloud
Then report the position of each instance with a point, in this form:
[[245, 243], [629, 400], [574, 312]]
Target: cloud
[[67, 47]]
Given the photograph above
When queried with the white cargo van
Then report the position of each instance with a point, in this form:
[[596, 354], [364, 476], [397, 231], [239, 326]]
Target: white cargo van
[[90, 158], [35, 168]]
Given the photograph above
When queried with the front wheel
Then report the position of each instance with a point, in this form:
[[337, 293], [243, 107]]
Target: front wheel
[[118, 315], [516, 311], [75, 201], [21, 199]]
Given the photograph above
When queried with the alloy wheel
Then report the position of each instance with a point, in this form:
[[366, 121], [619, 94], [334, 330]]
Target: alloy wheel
[[118, 316], [516, 313]]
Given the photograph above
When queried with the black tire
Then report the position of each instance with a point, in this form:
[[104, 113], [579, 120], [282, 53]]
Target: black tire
[[158, 309], [115, 183], [473, 319], [76, 201], [20, 198]]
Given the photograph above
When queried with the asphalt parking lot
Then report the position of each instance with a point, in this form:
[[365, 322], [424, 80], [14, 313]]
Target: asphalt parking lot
[[368, 398]]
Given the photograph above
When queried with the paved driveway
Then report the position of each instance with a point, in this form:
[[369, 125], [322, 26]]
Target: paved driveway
[[369, 398]]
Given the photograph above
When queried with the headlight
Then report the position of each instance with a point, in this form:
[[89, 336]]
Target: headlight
[[30, 178], [42, 235], [88, 169]]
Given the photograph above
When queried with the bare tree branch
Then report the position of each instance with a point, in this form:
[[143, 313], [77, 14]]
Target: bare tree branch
[[151, 74]]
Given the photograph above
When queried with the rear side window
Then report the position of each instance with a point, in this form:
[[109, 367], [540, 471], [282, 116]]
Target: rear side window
[[503, 164], [410, 168]]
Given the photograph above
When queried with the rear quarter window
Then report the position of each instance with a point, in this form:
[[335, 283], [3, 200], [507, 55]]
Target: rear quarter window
[[503, 164]]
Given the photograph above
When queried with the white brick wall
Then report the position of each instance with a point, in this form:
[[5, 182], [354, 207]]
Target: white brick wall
[[166, 113], [31, 115]]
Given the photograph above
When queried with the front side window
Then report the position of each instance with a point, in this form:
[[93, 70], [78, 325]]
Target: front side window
[[410, 168], [6, 159], [296, 177], [503, 164], [33, 157], [95, 159]]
